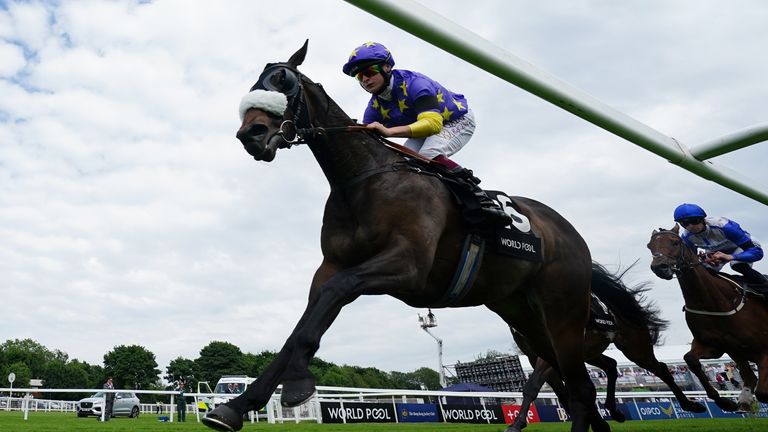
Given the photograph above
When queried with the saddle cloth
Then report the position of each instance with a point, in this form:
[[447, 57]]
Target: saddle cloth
[[600, 316]]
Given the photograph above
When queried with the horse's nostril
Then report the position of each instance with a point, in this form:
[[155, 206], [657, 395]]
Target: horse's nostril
[[254, 132]]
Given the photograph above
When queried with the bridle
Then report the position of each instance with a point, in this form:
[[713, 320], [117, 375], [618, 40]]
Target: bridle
[[680, 265], [286, 79]]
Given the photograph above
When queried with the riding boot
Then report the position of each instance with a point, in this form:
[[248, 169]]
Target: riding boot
[[489, 208], [754, 278]]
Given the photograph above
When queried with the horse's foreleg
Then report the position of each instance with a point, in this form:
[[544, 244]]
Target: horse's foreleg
[[761, 391], [530, 391], [642, 355], [298, 381], [692, 359], [568, 342], [749, 381], [608, 365], [303, 342]]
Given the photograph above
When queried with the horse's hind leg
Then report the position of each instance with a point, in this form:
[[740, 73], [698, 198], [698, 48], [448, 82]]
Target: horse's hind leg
[[608, 365]]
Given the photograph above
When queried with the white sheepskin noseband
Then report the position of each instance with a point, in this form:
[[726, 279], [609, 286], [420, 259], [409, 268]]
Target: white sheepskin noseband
[[270, 101]]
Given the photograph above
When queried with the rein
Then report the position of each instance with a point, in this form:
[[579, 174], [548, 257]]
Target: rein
[[301, 135]]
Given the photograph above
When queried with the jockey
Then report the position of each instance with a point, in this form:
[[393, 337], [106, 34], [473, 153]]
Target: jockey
[[723, 240], [436, 121]]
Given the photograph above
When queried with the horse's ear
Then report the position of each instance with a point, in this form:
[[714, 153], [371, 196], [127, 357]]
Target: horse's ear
[[298, 57], [655, 232], [676, 229]]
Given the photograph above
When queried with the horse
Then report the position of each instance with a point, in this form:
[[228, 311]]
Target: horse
[[636, 328], [722, 316], [400, 233]]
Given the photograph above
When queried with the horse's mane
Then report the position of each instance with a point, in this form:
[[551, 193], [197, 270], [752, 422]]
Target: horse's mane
[[629, 303]]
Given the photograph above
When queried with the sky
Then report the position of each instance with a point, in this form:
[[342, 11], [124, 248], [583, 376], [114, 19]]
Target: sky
[[130, 214]]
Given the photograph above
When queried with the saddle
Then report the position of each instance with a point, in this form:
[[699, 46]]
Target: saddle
[[760, 290]]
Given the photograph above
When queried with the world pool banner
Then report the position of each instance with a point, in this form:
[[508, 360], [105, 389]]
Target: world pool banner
[[512, 411], [473, 414], [357, 412], [411, 412], [683, 414]]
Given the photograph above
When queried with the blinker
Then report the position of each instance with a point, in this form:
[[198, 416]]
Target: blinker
[[278, 78]]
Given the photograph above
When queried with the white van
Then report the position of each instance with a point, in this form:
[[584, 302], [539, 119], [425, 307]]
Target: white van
[[230, 386]]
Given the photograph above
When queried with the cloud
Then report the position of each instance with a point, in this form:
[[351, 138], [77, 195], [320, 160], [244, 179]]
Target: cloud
[[129, 213]]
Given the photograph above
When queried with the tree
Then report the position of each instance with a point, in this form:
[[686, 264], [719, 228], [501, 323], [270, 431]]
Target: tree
[[182, 369], [402, 380], [96, 374], [427, 377], [29, 352], [71, 375], [22, 372], [491, 354], [256, 363], [131, 367], [220, 358]]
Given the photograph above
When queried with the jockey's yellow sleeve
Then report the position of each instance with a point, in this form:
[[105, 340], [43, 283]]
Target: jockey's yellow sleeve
[[427, 123]]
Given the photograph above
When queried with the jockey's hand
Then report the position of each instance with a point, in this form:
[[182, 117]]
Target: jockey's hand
[[718, 258], [379, 128]]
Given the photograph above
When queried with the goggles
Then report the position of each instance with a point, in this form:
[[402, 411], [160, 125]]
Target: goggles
[[691, 221], [368, 72]]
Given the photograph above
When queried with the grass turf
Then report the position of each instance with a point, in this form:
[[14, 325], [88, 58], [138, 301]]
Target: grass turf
[[66, 422]]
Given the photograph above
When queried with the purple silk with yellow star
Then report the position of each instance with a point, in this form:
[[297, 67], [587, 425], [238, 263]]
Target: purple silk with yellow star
[[407, 86]]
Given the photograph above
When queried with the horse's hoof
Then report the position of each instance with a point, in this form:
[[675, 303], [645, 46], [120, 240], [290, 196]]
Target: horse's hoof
[[744, 407], [600, 425], [297, 392], [223, 418], [726, 404], [694, 407], [618, 416]]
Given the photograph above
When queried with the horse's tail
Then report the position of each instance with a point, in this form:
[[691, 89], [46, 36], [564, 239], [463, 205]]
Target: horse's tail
[[627, 303]]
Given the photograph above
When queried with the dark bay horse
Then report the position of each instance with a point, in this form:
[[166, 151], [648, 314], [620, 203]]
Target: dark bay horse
[[723, 318], [636, 331], [389, 232]]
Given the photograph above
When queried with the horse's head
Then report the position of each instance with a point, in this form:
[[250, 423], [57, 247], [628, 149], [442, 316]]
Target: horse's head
[[670, 253], [273, 107]]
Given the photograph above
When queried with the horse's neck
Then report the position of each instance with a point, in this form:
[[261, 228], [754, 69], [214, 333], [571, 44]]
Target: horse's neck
[[343, 156], [701, 289]]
